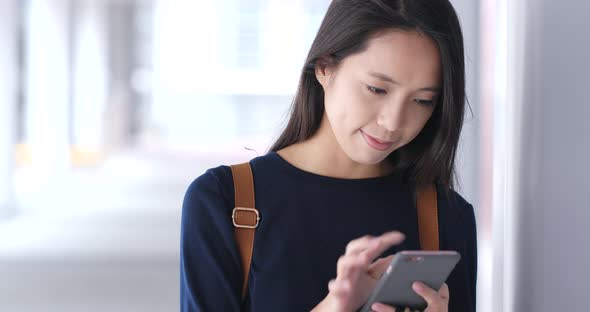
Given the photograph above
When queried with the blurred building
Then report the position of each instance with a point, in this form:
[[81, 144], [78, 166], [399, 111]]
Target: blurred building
[[109, 110]]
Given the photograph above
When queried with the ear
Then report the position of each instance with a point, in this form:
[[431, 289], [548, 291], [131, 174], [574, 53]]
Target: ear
[[323, 72]]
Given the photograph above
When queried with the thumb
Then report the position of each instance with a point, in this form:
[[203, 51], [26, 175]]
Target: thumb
[[377, 268]]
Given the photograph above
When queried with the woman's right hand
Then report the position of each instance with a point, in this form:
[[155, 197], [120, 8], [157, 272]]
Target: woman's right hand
[[358, 272]]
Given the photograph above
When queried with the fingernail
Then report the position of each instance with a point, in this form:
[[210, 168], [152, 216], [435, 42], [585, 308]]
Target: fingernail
[[376, 306], [398, 233], [417, 286]]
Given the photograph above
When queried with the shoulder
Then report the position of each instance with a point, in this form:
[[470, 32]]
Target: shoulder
[[210, 190], [213, 180], [217, 183], [456, 215], [458, 227], [458, 208]]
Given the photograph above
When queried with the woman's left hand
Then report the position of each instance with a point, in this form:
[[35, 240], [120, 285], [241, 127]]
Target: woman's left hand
[[437, 301]]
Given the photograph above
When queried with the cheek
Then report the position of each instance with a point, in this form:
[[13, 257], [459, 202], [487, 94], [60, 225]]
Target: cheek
[[348, 109]]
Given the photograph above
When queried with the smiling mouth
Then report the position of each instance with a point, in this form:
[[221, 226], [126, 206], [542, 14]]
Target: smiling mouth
[[376, 143]]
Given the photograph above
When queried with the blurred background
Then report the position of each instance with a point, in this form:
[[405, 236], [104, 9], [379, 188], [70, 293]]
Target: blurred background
[[110, 108]]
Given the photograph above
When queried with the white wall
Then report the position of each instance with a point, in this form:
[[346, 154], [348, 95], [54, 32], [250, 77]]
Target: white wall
[[8, 15], [552, 228]]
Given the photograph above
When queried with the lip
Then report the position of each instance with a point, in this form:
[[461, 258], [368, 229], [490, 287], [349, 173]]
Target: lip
[[376, 143]]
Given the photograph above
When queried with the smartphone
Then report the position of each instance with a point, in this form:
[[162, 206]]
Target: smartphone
[[395, 286]]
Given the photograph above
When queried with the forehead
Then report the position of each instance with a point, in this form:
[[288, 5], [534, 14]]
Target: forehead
[[407, 56]]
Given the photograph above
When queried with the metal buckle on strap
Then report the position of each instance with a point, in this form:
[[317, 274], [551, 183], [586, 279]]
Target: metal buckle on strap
[[245, 226]]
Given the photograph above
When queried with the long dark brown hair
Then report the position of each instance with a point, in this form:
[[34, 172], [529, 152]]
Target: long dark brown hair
[[345, 30]]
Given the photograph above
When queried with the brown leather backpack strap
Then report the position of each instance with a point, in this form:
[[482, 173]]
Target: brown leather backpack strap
[[426, 203], [245, 217]]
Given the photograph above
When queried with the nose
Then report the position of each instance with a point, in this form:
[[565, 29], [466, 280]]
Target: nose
[[392, 114]]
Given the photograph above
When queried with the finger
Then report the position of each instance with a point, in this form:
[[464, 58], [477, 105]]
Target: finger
[[380, 307], [377, 268], [382, 243], [430, 295], [349, 266], [444, 292], [359, 244], [331, 284]]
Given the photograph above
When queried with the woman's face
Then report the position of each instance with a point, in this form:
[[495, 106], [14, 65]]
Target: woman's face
[[379, 100]]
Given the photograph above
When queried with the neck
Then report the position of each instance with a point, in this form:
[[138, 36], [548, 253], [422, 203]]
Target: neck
[[321, 154]]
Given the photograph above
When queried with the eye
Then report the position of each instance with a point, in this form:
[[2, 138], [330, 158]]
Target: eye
[[375, 90], [424, 102]]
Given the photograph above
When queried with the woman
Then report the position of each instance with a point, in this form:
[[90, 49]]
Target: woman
[[378, 113]]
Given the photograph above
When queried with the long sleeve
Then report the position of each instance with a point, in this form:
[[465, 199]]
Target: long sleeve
[[458, 232], [210, 272], [471, 246], [463, 280]]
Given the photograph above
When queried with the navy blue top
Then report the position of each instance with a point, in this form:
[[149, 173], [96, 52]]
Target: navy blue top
[[306, 222]]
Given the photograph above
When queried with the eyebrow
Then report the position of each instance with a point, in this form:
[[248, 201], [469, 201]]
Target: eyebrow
[[386, 78]]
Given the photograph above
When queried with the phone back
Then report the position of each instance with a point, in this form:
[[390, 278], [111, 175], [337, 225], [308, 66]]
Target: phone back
[[395, 287]]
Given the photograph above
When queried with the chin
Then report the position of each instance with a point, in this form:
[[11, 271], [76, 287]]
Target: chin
[[367, 157]]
